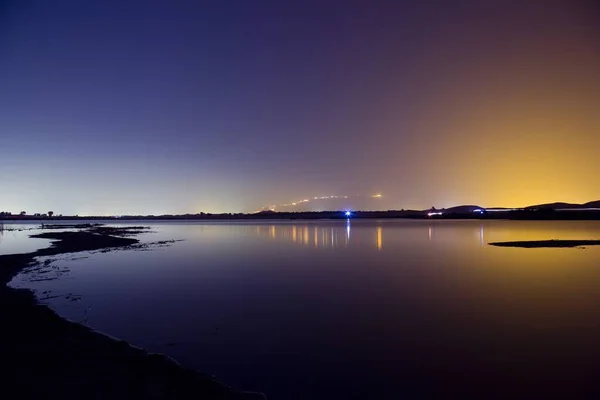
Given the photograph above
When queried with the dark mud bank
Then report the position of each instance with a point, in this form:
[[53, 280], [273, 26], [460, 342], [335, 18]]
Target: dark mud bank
[[530, 244]]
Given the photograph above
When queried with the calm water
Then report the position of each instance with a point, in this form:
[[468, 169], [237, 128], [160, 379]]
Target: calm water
[[359, 310], [14, 239]]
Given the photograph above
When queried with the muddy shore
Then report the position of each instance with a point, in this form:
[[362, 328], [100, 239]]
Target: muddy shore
[[49, 357], [533, 244]]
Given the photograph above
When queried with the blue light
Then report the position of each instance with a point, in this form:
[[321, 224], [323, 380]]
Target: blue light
[[348, 214]]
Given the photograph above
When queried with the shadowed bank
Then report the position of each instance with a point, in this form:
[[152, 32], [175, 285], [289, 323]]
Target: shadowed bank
[[547, 243]]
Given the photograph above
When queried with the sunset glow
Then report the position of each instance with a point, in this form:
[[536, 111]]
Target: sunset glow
[[489, 103]]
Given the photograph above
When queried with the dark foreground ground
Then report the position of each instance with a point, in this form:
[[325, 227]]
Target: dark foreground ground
[[45, 356], [532, 244]]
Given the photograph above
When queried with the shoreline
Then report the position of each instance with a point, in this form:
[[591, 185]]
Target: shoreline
[[552, 243], [48, 355], [461, 212]]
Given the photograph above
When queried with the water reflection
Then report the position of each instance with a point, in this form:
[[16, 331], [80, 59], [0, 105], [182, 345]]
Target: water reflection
[[347, 231], [312, 235], [457, 232], [373, 234], [359, 233], [394, 302], [323, 236], [481, 236], [14, 239]]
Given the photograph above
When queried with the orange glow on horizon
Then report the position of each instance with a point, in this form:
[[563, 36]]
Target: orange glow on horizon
[[515, 123]]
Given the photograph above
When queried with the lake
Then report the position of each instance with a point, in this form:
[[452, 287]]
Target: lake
[[358, 309]]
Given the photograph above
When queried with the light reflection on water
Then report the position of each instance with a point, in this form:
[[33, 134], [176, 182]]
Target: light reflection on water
[[331, 236], [460, 233], [349, 309]]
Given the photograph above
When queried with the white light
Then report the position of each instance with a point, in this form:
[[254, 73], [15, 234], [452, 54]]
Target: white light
[[348, 213]]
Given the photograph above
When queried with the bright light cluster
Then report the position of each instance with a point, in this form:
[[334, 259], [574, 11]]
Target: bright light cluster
[[295, 203]]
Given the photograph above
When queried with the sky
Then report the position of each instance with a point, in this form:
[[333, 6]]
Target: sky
[[151, 107]]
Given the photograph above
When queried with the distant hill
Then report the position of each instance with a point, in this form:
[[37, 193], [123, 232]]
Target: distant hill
[[462, 209], [592, 204], [553, 206], [465, 209], [560, 205], [266, 212]]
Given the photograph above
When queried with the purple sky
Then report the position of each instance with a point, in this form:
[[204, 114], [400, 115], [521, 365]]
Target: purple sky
[[151, 107]]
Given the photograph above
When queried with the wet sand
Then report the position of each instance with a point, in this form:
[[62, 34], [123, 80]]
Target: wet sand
[[46, 356]]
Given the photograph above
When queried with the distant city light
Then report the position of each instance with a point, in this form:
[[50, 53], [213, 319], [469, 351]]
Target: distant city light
[[310, 200], [431, 214], [348, 214]]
